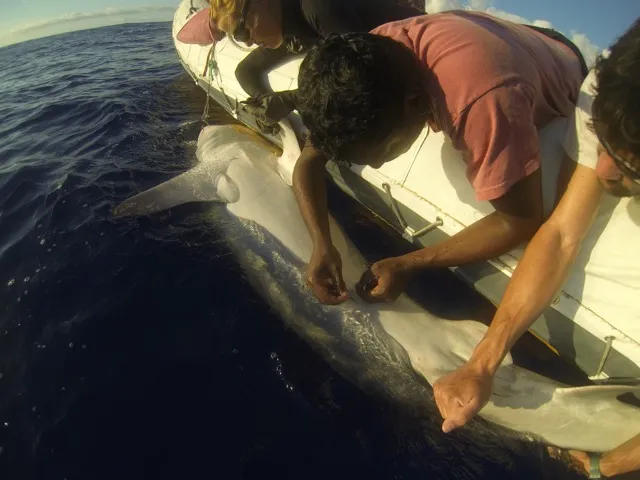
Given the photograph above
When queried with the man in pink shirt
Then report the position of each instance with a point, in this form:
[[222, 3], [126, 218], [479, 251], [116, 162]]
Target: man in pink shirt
[[489, 84]]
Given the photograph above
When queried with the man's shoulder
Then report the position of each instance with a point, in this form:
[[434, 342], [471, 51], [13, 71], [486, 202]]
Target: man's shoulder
[[401, 27], [321, 8], [317, 10]]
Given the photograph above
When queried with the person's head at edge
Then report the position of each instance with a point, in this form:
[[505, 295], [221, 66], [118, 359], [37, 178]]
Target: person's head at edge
[[363, 98], [250, 21], [616, 115]]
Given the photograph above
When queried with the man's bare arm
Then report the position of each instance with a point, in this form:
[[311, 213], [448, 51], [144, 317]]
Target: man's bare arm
[[624, 459], [537, 279], [543, 269], [517, 217], [311, 194], [325, 266]]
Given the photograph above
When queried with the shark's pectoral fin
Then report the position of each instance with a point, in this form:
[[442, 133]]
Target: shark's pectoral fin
[[200, 184], [602, 393]]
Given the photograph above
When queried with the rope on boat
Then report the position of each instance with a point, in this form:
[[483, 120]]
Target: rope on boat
[[192, 10], [208, 67], [211, 67]]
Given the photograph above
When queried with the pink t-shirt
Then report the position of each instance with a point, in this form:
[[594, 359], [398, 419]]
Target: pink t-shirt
[[493, 84]]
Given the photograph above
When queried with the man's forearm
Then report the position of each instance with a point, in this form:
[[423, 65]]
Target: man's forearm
[[252, 71], [537, 279], [311, 194], [488, 238], [543, 268], [624, 459]]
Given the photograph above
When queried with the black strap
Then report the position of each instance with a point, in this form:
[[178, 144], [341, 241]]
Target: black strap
[[558, 37], [192, 10]]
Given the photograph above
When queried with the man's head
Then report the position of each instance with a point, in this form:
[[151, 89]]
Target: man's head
[[362, 97], [250, 21], [616, 115]]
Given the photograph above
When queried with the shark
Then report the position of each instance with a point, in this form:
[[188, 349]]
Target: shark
[[398, 349]]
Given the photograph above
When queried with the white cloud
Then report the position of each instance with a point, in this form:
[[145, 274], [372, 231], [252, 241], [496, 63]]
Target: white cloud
[[542, 23], [433, 6], [589, 49], [506, 15], [83, 20]]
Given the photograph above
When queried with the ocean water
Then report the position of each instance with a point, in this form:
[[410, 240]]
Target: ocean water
[[135, 348]]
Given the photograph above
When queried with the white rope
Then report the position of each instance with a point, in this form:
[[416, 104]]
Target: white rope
[[214, 73]]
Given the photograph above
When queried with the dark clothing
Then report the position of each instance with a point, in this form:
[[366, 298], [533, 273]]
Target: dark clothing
[[557, 36], [305, 22], [251, 71], [310, 20]]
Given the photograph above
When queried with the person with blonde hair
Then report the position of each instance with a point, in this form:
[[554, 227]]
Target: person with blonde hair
[[285, 28]]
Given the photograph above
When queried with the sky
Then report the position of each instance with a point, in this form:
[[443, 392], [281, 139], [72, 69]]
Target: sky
[[592, 24]]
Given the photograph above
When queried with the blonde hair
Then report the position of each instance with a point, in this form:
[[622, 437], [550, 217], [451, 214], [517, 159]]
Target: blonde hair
[[226, 13]]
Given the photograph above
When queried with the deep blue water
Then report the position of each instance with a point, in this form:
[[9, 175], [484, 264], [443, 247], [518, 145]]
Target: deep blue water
[[135, 349]]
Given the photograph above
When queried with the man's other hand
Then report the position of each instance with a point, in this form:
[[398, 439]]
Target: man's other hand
[[324, 276], [383, 282], [460, 395]]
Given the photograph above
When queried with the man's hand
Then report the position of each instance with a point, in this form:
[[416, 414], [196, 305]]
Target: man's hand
[[383, 282], [270, 108], [324, 276], [460, 395]]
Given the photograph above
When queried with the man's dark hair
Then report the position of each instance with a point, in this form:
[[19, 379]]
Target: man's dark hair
[[352, 88], [616, 107]]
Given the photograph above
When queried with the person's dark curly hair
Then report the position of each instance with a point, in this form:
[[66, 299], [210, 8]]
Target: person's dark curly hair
[[352, 88], [616, 106]]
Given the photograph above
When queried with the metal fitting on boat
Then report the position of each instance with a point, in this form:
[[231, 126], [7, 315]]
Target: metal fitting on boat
[[600, 375], [408, 232]]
